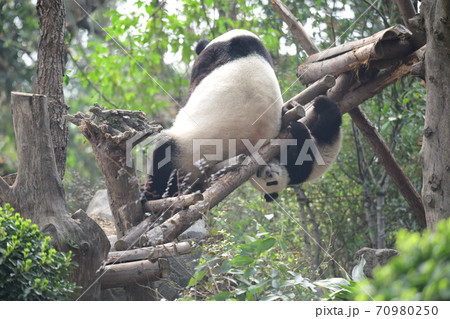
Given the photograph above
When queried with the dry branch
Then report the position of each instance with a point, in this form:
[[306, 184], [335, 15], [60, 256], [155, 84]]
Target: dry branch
[[295, 27], [161, 205], [389, 162]]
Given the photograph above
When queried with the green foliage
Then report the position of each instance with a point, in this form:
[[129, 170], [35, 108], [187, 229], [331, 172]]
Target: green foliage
[[420, 272], [30, 268], [250, 271]]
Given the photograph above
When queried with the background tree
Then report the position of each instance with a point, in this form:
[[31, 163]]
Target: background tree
[[436, 143]]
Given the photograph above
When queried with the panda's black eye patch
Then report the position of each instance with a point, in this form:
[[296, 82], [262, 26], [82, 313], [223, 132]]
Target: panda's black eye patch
[[272, 183]]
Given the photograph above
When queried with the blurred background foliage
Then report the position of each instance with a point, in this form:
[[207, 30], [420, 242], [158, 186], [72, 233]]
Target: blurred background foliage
[[137, 55]]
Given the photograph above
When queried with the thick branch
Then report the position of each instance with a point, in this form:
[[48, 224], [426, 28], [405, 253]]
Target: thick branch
[[407, 10], [295, 27], [389, 162]]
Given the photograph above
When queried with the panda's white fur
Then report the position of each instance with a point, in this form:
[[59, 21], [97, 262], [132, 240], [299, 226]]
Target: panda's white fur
[[218, 110], [237, 98], [274, 177]]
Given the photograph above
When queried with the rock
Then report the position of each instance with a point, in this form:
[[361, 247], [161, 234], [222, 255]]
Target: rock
[[374, 258], [99, 206]]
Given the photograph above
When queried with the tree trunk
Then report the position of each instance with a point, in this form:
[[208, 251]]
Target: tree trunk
[[435, 151], [50, 72], [37, 193]]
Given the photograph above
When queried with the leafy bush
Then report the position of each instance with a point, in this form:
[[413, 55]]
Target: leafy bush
[[250, 271], [420, 272], [30, 268]]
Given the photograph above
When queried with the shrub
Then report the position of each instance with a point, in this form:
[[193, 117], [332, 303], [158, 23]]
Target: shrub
[[420, 272], [30, 268]]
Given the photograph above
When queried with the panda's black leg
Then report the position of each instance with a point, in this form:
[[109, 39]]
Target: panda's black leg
[[161, 170], [329, 121], [300, 132], [299, 169]]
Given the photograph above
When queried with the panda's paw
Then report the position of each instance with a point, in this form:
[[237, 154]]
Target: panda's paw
[[270, 197], [323, 103]]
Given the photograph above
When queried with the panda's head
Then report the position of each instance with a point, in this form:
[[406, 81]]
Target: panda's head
[[270, 180]]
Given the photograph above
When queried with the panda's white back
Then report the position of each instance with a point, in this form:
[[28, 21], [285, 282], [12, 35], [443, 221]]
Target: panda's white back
[[243, 102]]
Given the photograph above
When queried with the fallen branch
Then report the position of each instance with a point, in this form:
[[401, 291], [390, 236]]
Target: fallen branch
[[149, 253], [121, 275]]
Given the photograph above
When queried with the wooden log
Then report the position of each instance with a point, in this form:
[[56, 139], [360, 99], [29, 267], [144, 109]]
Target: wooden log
[[227, 164], [295, 113], [311, 72], [136, 272], [161, 205], [395, 32], [149, 253], [398, 70], [295, 27], [307, 95]]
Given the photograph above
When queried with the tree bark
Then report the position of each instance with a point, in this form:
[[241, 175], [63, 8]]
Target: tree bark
[[112, 144], [435, 151], [37, 192], [50, 72]]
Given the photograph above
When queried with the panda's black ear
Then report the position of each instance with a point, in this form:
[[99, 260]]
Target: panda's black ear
[[270, 197], [200, 46]]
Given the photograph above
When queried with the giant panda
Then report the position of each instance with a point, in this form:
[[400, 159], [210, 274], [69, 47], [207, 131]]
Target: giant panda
[[321, 127], [233, 96]]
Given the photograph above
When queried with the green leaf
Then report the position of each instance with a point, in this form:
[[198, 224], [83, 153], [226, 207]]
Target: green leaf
[[239, 261]]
